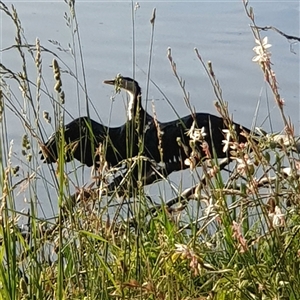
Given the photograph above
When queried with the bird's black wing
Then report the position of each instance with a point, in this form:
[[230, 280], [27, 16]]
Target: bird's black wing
[[81, 137], [169, 142]]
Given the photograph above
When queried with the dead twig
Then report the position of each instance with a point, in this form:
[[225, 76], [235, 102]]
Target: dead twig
[[289, 37]]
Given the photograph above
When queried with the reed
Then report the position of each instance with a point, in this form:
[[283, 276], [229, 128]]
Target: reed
[[234, 234]]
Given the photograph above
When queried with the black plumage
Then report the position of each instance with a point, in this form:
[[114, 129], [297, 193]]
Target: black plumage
[[166, 142], [82, 138], [169, 142]]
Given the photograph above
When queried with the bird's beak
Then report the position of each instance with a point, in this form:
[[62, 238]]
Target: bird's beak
[[110, 82]]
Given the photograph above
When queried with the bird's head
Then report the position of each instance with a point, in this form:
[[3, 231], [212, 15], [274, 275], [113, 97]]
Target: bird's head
[[126, 83], [132, 88]]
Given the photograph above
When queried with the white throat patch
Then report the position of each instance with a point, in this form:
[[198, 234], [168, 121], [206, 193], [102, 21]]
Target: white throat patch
[[130, 110]]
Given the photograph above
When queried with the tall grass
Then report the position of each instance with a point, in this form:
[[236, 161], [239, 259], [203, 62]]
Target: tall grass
[[233, 235]]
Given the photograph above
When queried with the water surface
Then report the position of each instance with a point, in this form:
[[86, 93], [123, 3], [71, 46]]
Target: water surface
[[115, 39]]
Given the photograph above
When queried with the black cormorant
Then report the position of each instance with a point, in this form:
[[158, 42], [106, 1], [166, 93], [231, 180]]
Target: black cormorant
[[171, 142], [163, 142]]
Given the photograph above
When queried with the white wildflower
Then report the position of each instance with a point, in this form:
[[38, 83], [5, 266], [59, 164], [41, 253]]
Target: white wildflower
[[196, 134], [277, 217], [262, 54], [181, 248], [226, 142], [245, 165], [211, 208], [190, 162], [189, 255]]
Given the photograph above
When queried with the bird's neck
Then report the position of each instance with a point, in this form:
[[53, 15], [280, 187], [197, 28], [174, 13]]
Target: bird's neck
[[134, 105]]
